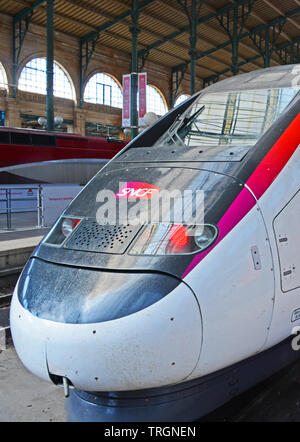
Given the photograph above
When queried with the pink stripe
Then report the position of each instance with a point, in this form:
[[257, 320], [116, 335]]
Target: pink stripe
[[258, 182], [238, 209]]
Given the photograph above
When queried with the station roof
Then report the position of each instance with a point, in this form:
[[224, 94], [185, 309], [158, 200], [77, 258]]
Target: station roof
[[164, 36]]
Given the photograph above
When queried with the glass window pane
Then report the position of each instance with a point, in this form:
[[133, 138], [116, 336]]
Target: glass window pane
[[155, 102], [33, 78], [3, 83], [103, 89], [235, 118], [181, 99]]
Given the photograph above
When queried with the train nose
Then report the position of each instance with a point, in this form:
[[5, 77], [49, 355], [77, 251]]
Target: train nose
[[105, 331]]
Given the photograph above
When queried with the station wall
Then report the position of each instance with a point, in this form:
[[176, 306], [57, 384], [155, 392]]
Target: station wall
[[66, 53]]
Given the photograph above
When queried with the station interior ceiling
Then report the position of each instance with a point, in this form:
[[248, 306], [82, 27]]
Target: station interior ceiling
[[212, 38]]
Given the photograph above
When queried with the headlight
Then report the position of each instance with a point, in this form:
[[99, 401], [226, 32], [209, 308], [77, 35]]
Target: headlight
[[205, 236], [173, 239], [61, 231], [68, 225]]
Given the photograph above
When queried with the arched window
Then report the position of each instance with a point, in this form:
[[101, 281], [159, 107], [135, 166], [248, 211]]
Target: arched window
[[155, 101], [33, 78], [181, 99], [3, 78], [103, 89]]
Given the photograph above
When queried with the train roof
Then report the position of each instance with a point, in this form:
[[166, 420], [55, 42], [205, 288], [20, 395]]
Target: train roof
[[6, 133], [43, 132]]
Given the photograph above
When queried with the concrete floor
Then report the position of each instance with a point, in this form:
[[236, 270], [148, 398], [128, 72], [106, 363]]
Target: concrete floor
[[25, 220], [24, 397], [21, 234]]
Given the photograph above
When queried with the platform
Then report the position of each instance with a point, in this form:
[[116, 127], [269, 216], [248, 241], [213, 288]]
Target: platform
[[16, 247], [30, 399], [26, 397]]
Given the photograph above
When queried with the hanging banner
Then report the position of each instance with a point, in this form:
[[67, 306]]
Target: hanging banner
[[142, 88], [126, 120]]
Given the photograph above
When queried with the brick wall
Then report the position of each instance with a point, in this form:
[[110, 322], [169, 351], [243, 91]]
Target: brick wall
[[66, 53]]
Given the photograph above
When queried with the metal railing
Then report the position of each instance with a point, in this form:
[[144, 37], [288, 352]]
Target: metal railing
[[9, 210]]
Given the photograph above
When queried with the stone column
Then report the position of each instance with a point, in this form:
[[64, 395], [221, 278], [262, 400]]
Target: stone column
[[12, 113], [79, 121]]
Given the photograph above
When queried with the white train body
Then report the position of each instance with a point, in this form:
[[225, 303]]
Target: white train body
[[225, 311]]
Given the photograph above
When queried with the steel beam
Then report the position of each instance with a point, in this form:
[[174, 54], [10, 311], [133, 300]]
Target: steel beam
[[293, 56], [192, 10], [258, 29], [208, 17], [185, 29], [195, 13], [86, 50], [233, 22], [265, 39], [176, 80], [21, 23], [289, 52], [89, 41], [20, 15], [134, 29], [214, 78], [113, 22], [50, 60]]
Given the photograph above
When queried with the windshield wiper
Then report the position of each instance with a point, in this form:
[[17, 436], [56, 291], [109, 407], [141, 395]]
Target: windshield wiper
[[171, 136], [192, 118], [171, 131], [187, 122]]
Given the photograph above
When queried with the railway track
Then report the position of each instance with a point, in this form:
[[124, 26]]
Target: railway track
[[5, 300], [8, 279]]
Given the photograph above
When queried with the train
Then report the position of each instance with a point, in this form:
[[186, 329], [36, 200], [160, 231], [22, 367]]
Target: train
[[165, 317], [29, 156]]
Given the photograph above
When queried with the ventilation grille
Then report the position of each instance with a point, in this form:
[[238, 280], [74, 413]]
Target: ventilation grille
[[93, 237]]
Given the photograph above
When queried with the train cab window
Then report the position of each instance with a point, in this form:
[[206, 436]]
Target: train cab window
[[20, 138], [228, 119], [4, 138], [43, 140]]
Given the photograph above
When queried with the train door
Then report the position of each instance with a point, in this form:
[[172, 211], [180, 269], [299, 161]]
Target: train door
[[286, 226], [287, 234]]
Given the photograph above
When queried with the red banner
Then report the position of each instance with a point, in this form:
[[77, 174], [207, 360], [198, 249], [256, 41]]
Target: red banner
[[142, 88], [126, 120]]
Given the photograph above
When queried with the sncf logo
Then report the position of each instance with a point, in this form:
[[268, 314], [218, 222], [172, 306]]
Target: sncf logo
[[137, 190]]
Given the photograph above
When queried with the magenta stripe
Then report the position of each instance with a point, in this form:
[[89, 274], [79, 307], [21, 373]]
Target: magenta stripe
[[259, 181], [238, 209]]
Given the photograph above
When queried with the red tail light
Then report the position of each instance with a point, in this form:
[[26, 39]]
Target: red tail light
[[179, 236], [76, 223], [68, 225], [173, 239]]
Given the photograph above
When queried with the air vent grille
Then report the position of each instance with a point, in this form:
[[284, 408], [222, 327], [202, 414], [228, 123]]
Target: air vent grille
[[93, 237]]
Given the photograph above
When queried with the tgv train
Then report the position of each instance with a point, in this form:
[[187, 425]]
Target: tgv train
[[165, 320], [35, 156]]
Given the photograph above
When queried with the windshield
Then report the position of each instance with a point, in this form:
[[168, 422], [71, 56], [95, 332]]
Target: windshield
[[234, 118]]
